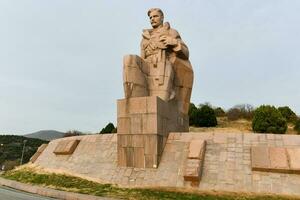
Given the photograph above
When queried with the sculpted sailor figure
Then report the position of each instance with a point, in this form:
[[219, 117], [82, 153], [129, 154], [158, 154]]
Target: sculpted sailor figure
[[163, 69]]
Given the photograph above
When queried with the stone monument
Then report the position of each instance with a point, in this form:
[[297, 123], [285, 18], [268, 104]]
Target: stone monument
[[157, 87]]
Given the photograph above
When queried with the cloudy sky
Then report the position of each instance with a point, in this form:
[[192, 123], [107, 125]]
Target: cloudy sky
[[61, 60]]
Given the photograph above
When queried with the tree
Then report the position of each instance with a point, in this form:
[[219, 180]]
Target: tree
[[109, 128], [192, 114]]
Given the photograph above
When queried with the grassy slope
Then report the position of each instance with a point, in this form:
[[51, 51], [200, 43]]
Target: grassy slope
[[74, 184]]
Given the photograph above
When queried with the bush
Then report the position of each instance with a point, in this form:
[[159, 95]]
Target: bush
[[243, 111], [268, 119], [192, 114], [109, 128], [288, 114], [219, 112], [297, 126], [205, 117]]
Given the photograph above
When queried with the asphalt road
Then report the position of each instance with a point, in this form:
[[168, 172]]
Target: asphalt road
[[11, 194]]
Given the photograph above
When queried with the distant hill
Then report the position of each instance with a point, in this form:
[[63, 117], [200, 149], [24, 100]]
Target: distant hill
[[46, 135]]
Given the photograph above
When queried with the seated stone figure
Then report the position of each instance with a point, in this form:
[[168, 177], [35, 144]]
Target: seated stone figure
[[163, 69]]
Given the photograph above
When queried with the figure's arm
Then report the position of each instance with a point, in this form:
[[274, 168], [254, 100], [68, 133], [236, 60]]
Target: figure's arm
[[174, 40], [143, 55]]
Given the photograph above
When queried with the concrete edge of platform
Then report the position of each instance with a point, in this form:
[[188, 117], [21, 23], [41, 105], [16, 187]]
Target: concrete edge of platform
[[48, 192]]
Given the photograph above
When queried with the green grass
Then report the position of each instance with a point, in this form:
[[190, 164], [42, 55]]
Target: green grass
[[74, 184]]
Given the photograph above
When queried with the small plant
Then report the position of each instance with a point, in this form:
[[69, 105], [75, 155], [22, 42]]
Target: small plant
[[268, 119], [206, 117], [297, 126]]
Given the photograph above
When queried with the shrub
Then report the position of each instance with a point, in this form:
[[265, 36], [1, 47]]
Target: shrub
[[219, 112], [288, 114], [268, 119], [205, 117], [10, 164], [109, 128], [297, 126], [242, 111]]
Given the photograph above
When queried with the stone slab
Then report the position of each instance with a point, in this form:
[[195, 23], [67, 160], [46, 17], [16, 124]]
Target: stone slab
[[38, 152], [260, 159], [275, 159], [278, 159], [66, 147], [196, 149], [294, 158]]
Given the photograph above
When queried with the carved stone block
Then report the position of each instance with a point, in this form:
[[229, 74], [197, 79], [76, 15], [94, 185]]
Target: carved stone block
[[66, 147], [38, 153]]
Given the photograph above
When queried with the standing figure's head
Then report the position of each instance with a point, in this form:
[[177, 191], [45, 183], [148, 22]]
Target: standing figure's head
[[156, 17]]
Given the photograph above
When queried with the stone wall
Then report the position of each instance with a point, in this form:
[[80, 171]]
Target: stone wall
[[226, 167]]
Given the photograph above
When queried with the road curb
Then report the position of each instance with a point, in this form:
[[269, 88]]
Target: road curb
[[48, 192]]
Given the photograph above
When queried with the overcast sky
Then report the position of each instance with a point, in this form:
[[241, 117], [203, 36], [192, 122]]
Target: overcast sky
[[61, 60]]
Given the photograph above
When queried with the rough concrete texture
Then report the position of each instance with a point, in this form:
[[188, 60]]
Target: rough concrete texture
[[227, 163]]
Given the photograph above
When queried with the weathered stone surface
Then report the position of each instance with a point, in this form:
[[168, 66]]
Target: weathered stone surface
[[66, 147]]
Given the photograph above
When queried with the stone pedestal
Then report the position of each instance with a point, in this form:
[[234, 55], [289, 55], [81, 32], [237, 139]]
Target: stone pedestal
[[143, 127]]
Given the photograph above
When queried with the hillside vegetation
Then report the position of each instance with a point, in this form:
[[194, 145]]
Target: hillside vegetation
[[11, 147], [244, 118], [236, 126]]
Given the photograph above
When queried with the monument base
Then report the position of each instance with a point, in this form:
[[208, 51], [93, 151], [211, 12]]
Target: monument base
[[143, 127], [227, 163]]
